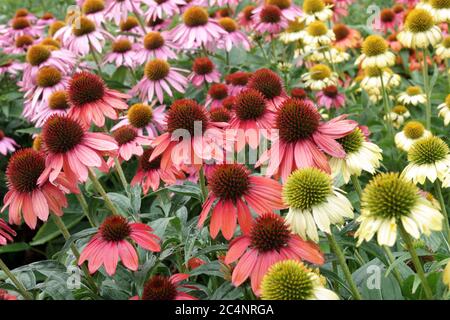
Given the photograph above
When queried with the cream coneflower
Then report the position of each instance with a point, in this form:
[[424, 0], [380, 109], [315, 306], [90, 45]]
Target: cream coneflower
[[361, 154], [412, 131], [317, 34], [315, 10], [375, 53], [293, 31], [314, 203], [389, 200], [319, 77], [397, 115], [429, 158], [440, 10], [374, 79], [444, 110], [326, 53], [443, 48], [293, 280], [412, 96], [420, 30]]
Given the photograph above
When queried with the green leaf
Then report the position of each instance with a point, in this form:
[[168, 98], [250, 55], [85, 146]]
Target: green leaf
[[15, 247]]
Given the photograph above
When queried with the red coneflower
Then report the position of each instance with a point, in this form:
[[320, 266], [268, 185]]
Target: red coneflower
[[4, 295], [346, 37], [130, 142], [270, 85], [216, 94], [269, 19], [6, 233], [236, 191], [237, 81], [203, 70], [220, 114], [329, 97], [70, 147], [163, 288], [268, 242], [113, 241], [246, 17]]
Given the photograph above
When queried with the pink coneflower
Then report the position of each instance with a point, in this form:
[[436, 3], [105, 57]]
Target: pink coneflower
[[70, 147], [7, 145], [159, 76], [156, 45], [388, 20], [216, 94], [158, 24], [207, 144], [46, 19], [269, 19], [329, 97], [131, 26], [303, 139], [346, 37], [232, 192], [20, 45], [6, 234], [118, 10], [130, 142], [409, 3], [246, 17], [150, 174], [57, 103], [289, 10], [233, 36], [164, 288], [115, 239], [393, 42], [91, 101], [94, 10], [197, 29], [270, 85], [301, 94], [4, 295], [399, 11], [252, 115], [220, 114], [20, 26], [339, 8], [237, 82], [123, 53], [268, 242], [162, 8], [27, 195], [203, 71], [25, 13], [223, 3]]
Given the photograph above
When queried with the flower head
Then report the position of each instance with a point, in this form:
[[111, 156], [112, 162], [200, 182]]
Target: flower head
[[420, 30], [163, 288], [375, 53], [444, 110], [6, 233], [412, 131]]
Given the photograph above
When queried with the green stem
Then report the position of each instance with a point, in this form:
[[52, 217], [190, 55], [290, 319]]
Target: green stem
[[202, 181], [438, 189], [341, 258], [391, 259], [426, 83], [85, 207], [386, 106], [356, 185], [122, 177], [415, 259], [97, 62], [19, 286], [447, 67], [98, 186]]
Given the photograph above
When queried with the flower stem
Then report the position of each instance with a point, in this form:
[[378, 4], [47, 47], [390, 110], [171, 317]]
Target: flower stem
[[98, 186], [438, 189], [415, 259], [356, 185], [447, 67], [19, 286], [85, 207], [341, 258], [97, 62], [386, 106], [202, 180], [426, 83], [391, 259], [122, 177]]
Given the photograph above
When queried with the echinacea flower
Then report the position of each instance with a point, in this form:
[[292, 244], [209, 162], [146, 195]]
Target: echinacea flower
[[11, 67], [70, 147], [94, 10], [288, 8], [156, 45], [443, 48], [389, 200], [346, 37], [320, 76], [375, 53], [216, 94], [270, 85], [293, 32], [440, 10], [329, 97], [429, 158], [397, 115], [375, 78], [269, 19], [131, 25], [220, 114], [46, 19], [412, 131], [389, 20], [28, 195], [304, 139], [315, 10], [314, 203], [118, 10], [246, 16], [162, 8], [7, 144], [233, 36], [20, 26], [237, 82], [130, 142], [293, 280], [361, 155], [20, 44], [203, 70], [233, 191], [269, 241], [164, 288], [159, 76], [412, 96], [444, 110], [419, 30], [57, 103], [92, 101], [317, 34], [6, 233], [123, 53], [115, 239], [4, 295], [150, 174]]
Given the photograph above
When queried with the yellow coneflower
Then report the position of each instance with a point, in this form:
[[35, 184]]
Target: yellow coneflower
[[420, 30], [317, 34], [412, 131], [398, 115], [293, 32], [375, 53], [412, 96], [319, 77], [315, 10]]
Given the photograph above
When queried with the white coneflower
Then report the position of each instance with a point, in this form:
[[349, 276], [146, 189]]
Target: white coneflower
[[315, 10], [317, 34], [443, 48], [293, 32], [429, 158], [397, 116], [440, 10], [412, 96], [314, 203], [412, 131], [319, 77], [420, 30], [375, 53], [293, 280], [389, 200], [444, 110], [375, 78], [326, 53], [360, 155]]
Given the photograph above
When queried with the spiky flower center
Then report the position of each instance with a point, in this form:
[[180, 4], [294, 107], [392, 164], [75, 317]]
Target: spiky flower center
[[47, 16], [413, 91], [229, 102], [398, 8], [387, 15], [38, 54], [61, 134], [186, 114], [93, 6], [121, 46], [419, 20], [295, 26], [413, 130], [298, 93], [203, 66], [85, 87], [51, 43], [270, 14], [267, 82], [428, 151], [440, 4], [83, 26], [341, 31], [313, 6], [296, 120], [153, 40], [125, 134], [128, 24], [248, 12], [195, 16], [229, 181], [269, 232], [353, 141], [140, 115], [23, 41], [331, 91], [282, 4], [399, 109], [144, 161], [373, 72], [159, 288], [59, 100], [306, 188], [320, 72], [228, 24], [37, 143], [20, 23], [446, 42], [22, 12], [218, 91], [374, 45], [24, 169], [287, 280], [55, 26], [238, 78], [115, 228], [155, 22], [157, 69], [220, 114], [2, 135], [389, 195], [317, 29], [250, 105], [48, 77]]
